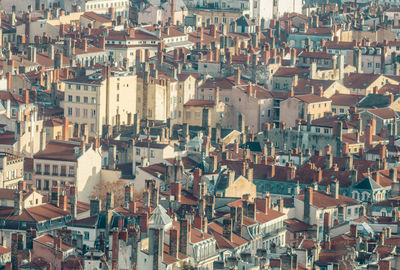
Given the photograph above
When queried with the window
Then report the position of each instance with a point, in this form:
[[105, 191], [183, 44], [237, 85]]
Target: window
[[47, 169], [55, 170], [86, 100], [369, 64], [326, 131], [317, 130], [39, 184], [341, 110], [38, 169], [377, 65], [349, 211], [69, 111], [117, 97], [86, 88], [85, 113], [86, 235], [226, 99], [71, 171], [63, 170], [46, 185], [77, 112], [188, 115], [152, 153], [70, 98], [197, 115], [93, 113], [78, 87], [138, 151], [93, 100], [94, 88], [78, 99]]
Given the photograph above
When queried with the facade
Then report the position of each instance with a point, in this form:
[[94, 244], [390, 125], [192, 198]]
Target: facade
[[102, 98], [64, 163]]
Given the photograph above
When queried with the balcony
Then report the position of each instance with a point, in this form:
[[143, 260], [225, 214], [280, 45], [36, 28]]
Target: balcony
[[46, 173]]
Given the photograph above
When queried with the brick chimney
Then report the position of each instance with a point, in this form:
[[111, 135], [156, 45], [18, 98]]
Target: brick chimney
[[368, 136], [65, 130], [63, 202], [144, 222], [227, 229], [55, 196], [21, 185], [102, 42], [115, 247], [128, 194], [26, 96], [354, 230], [176, 190], [18, 203], [262, 204], [174, 242], [84, 44], [184, 236], [308, 201]]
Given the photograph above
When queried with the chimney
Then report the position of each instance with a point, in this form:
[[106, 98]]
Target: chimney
[[184, 236], [73, 200], [26, 96], [262, 204], [173, 242], [63, 201], [95, 207], [251, 210], [144, 222], [84, 44], [65, 133], [128, 194], [237, 75], [176, 190], [109, 200], [55, 196], [354, 230], [393, 174], [308, 201], [18, 203], [173, 12], [102, 42], [22, 185], [368, 137], [115, 247], [239, 220], [335, 189], [227, 229]]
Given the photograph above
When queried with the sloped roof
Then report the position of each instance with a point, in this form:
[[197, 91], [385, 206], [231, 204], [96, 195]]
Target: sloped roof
[[368, 183], [159, 217]]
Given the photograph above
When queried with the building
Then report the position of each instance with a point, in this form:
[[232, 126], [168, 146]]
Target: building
[[105, 97], [64, 163]]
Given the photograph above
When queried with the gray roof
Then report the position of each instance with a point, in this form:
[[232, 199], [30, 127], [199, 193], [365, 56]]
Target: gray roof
[[368, 183], [159, 218]]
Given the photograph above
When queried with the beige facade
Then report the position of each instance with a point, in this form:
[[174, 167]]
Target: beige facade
[[97, 100], [196, 111], [11, 170], [65, 162], [298, 107]]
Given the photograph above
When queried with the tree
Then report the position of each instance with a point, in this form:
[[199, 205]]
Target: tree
[[117, 188]]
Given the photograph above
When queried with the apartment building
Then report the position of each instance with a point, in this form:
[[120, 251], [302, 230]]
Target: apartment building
[[67, 162], [302, 107], [104, 97], [21, 118]]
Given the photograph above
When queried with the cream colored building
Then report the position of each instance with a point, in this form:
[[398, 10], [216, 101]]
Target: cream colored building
[[300, 106], [63, 162], [11, 170], [198, 112], [101, 98]]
